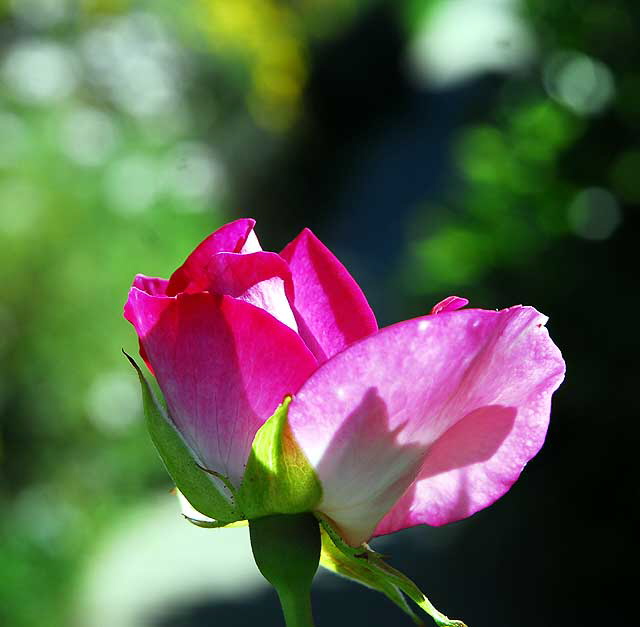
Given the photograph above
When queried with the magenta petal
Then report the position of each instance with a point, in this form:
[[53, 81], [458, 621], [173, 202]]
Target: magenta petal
[[331, 310], [451, 303], [234, 237], [472, 465], [223, 366], [151, 285], [464, 396], [261, 278]]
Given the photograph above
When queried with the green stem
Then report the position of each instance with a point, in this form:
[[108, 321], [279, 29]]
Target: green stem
[[286, 548], [296, 608]]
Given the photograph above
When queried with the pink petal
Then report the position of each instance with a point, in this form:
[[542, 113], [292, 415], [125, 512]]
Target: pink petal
[[234, 237], [223, 366], [331, 310], [448, 393], [151, 285], [451, 303], [261, 278], [154, 287]]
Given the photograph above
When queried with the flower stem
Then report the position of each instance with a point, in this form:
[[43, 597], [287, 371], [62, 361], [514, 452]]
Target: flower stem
[[296, 609], [286, 548]]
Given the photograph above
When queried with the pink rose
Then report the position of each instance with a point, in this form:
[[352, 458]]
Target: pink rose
[[426, 421]]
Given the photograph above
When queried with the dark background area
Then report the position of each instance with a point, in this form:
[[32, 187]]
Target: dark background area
[[515, 182]]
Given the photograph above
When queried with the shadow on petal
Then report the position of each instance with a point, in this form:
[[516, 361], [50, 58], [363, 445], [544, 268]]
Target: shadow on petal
[[366, 467], [443, 482], [475, 438]]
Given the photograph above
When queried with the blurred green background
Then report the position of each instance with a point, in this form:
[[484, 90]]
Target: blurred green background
[[486, 148]]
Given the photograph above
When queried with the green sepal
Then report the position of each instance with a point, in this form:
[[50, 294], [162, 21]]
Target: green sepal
[[207, 524], [278, 478], [349, 566], [189, 478], [357, 551], [215, 524], [369, 568]]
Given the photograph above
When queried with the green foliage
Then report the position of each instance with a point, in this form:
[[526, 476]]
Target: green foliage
[[510, 205], [520, 170], [414, 13]]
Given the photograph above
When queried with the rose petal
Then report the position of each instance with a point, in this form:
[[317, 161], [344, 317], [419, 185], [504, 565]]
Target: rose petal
[[234, 237], [331, 310], [422, 392], [223, 366], [451, 303], [477, 460], [259, 278], [153, 286]]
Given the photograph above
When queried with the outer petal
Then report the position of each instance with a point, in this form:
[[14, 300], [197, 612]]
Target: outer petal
[[261, 278], [234, 237], [223, 366], [153, 286], [331, 310], [463, 390]]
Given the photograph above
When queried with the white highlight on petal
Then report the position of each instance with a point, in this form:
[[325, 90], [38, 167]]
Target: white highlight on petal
[[423, 325], [252, 245], [270, 296]]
